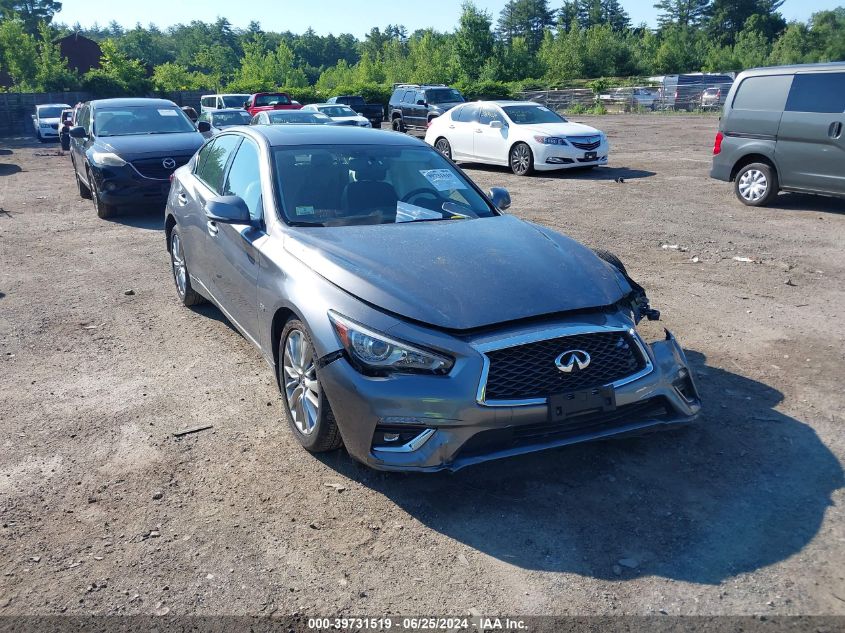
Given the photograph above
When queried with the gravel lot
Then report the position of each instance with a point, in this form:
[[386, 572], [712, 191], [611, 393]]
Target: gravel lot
[[105, 512]]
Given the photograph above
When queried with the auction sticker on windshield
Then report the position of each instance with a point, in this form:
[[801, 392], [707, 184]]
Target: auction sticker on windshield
[[168, 113], [442, 179]]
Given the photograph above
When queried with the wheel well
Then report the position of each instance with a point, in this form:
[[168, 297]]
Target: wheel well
[[169, 223], [282, 316], [510, 149], [395, 115], [751, 158]]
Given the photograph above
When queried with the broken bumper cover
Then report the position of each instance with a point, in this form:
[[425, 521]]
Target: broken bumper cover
[[438, 424]]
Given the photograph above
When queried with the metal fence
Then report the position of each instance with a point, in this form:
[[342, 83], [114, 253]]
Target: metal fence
[[17, 108]]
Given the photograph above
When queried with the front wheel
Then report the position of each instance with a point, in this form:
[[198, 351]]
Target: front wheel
[[756, 185], [84, 192], [309, 414], [442, 146], [187, 295], [521, 160], [397, 125], [103, 210]]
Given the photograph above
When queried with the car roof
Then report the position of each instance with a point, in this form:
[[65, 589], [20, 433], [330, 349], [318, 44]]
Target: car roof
[[282, 135], [219, 110], [53, 105], [133, 101], [779, 70]]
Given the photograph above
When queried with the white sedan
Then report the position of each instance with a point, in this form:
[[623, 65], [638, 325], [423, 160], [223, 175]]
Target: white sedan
[[523, 135], [339, 113]]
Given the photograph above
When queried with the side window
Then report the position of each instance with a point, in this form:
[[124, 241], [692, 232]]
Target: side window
[[420, 96], [763, 94], [469, 114], [817, 92], [409, 96], [244, 180], [456, 113], [211, 162], [205, 102], [489, 114]]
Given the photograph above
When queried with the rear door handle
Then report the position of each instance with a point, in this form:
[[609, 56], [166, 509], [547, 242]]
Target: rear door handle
[[213, 230], [835, 129], [451, 127], [479, 131]]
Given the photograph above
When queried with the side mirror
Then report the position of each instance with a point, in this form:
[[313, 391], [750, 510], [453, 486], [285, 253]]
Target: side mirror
[[496, 124], [228, 210], [78, 132], [33, 116], [501, 198], [204, 126], [246, 105]]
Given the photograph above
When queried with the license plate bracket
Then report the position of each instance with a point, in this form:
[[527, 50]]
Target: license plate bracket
[[590, 155], [563, 406]]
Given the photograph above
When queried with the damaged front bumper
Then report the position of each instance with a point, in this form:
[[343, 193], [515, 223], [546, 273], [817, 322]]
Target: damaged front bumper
[[431, 423]]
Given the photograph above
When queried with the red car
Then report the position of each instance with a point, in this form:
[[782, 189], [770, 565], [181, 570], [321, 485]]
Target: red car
[[264, 101]]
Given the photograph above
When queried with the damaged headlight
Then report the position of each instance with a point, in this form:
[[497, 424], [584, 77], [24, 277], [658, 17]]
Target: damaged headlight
[[376, 351]]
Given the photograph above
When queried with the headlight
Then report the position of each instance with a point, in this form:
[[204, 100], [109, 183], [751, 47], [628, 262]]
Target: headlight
[[108, 159], [550, 140], [379, 352]]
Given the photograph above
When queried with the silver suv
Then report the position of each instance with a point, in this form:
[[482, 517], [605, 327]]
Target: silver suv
[[782, 130]]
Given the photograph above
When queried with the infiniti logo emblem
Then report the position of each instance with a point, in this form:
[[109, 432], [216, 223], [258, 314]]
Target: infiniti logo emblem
[[168, 163], [569, 360]]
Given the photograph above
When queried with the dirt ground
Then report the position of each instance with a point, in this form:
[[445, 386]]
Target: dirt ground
[[104, 512]]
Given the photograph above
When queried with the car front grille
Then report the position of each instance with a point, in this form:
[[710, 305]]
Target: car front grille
[[597, 423], [154, 167], [588, 143], [529, 371]]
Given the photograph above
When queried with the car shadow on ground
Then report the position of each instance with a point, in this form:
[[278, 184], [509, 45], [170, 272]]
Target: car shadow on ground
[[808, 202], [7, 169], [139, 218], [211, 311], [597, 173], [744, 488]]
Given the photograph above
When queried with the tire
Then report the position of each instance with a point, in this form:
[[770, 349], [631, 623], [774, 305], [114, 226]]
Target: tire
[[398, 125], [611, 259], [103, 210], [442, 145], [521, 160], [84, 192], [313, 425], [179, 267], [756, 184]]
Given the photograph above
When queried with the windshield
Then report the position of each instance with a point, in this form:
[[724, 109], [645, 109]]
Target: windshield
[[352, 184], [225, 119], [133, 120], [528, 114], [50, 112], [338, 111], [443, 95], [297, 116], [271, 100], [234, 101]]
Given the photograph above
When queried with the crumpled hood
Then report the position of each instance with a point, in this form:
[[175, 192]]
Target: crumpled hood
[[460, 274], [570, 128], [133, 147]]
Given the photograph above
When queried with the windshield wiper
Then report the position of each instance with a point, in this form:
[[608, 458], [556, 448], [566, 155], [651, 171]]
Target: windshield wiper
[[301, 223]]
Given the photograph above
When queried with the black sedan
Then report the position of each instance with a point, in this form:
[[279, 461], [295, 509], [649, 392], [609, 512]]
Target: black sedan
[[125, 150]]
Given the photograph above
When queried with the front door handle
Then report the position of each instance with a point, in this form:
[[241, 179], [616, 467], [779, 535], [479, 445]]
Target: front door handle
[[451, 127], [835, 129], [182, 199], [479, 131], [213, 230]]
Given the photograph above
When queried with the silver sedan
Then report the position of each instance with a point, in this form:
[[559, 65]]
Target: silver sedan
[[405, 315]]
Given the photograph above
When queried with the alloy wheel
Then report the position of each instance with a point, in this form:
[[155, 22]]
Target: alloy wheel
[[520, 159], [753, 185], [302, 389], [442, 146], [177, 259]]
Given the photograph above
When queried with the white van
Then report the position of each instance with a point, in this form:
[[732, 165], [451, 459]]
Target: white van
[[218, 102]]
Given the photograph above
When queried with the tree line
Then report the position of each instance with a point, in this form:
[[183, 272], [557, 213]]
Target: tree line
[[529, 44]]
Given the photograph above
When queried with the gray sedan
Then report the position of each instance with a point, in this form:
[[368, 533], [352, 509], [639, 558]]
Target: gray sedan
[[404, 315]]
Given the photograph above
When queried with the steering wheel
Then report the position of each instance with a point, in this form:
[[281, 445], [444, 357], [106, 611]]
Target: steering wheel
[[419, 192]]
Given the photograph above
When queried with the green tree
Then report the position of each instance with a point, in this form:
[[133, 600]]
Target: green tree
[[117, 74], [30, 12], [473, 41], [527, 19], [171, 77], [51, 70], [828, 31], [18, 52], [728, 18], [794, 46], [682, 12]]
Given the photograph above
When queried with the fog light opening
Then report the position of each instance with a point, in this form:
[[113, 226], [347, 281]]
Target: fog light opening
[[401, 439]]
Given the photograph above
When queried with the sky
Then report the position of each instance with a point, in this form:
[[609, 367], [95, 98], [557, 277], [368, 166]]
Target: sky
[[333, 16]]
